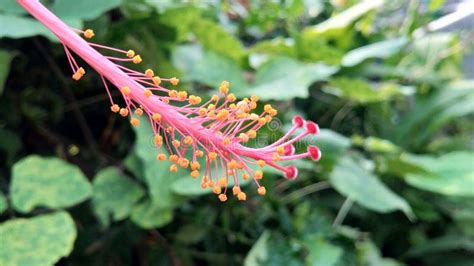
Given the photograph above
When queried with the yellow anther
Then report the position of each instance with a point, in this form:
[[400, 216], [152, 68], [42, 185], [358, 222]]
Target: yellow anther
[[158, 140], [188, 140], [273, 112], [81, 71], [215, 98], [195, 165], [194, 99], [173, 168], [232, 105], [135, 122], [137, 59], [89, 34], [243, 137], [261, 191], [125, 90], [222, 197], [223, 182], [254, 117], [183, 162], [156, 117], [212, 155], [226, 141], [161, 157], [202, 111], [224, 87], [149, 73], [211, 114], [241, 196], [261, 163], [232, 164], [138, 111], [123, 112], [276, 157], [216, 190], [252, 133], [176, 143], [174, 81], [222, 114], [254, 98], [235, 190], [173, 93], [147, 93], [268, 118], [115, 108], [182, 95], [252, 105], [77, 76], [174, 158], [280, 150], [211, 107], [231, 98], [258, 175], [199, 153], [262, 121], [130, 53], [156, 80], [245, 176], [194, 174], [267, 107]]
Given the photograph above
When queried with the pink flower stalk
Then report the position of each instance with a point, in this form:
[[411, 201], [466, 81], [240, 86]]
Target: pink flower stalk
[[216, 130]]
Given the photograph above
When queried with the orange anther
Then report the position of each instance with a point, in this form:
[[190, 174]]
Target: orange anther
[[115, 108]]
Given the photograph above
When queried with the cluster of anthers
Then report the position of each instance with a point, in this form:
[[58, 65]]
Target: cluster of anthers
[[208, 138]]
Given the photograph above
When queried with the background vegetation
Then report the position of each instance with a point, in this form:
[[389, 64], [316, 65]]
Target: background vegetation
[[79, 186]]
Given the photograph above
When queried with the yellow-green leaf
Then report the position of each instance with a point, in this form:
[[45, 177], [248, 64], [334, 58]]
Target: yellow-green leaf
[[38, 241], [47, 182], [114, 195]]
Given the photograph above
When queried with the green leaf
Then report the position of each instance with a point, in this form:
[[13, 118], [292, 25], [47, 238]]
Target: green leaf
[[259, 251], [321, 252], [3, 203], [11, 7], [151, 215], [359, 90], [47, 182], [383, 49], [348, 16], [21, 27], [114, 195], [84, 9], [451, 174], [213, 37], [213, 68], [285, 78], [369, 254], [45, 239], [5, 59], [358, 184]]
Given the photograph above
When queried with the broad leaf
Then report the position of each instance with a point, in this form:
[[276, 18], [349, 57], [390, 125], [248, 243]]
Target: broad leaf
[[348, 16], [321, 252], [5, 59], [358, 184], [3, 203], [114, 195], [213, 68], [84, 9], [383, 49], [37, 241], [47, 182], [451, 174], [151, 215], [20, 27], [359, 90], [259, 251], [285, 78]]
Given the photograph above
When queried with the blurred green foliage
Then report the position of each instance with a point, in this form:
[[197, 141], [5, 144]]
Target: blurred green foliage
[[395, 184]]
